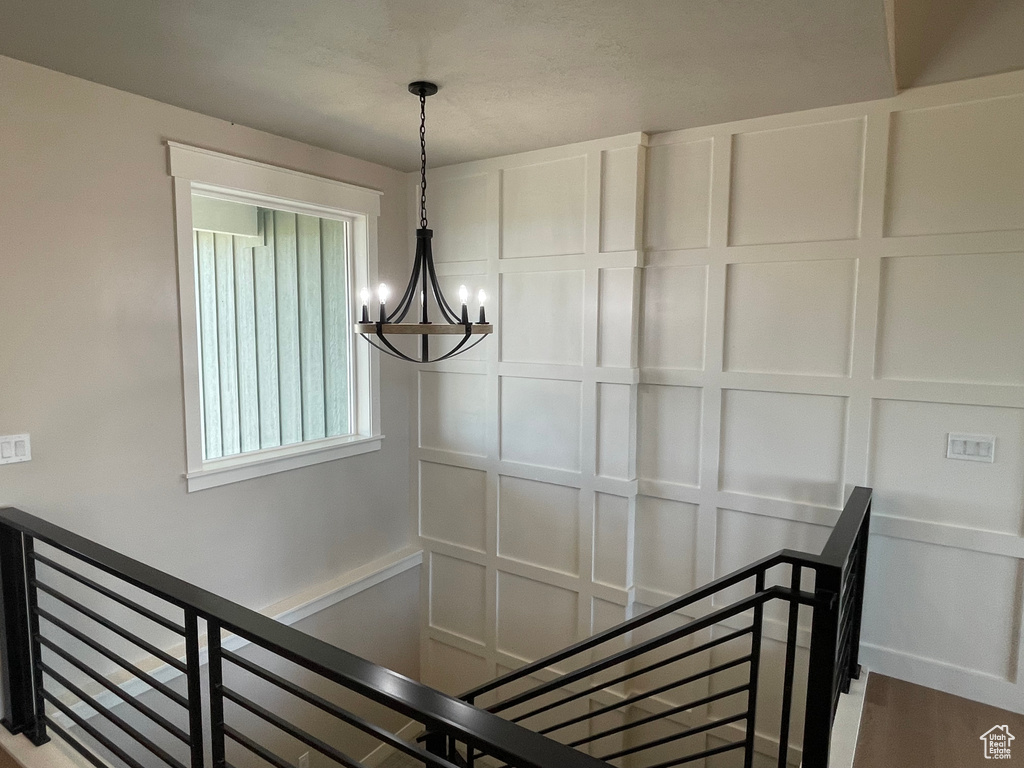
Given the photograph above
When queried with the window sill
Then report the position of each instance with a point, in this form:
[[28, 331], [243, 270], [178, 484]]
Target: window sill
[[268, 462]]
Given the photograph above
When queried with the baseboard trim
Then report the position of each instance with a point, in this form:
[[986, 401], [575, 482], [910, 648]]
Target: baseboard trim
[[846, 725]]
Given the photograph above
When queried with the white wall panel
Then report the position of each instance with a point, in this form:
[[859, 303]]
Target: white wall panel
[[615, 327], [668, 434], [674, 316], [798, 184], [453, 411], [534, 618], [540, 422], [606, 615], [542, 317], [458, 216], [538, 523], [790, 317], [913, 478], [742, 538], [453, 502], [543, 208], [611, 540], [957, 168], [678, 197], [783, 446], [457, 597], [953, 318], [619, 177], [943, 592], [666, 535], [614, 407], [453, 670]]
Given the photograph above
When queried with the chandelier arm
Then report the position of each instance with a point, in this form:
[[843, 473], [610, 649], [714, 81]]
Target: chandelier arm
[[442, 303], [393, 352], [460, 347], [391, 348], [378, 347], [398, 315]]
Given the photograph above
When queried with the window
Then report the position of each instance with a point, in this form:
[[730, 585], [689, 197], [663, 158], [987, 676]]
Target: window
[[266, 260]]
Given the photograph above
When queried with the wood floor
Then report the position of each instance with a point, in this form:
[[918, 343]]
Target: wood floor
[[6, 761], [909, 726]]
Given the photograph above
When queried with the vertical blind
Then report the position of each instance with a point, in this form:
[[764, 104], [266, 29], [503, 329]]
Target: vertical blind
[[273, 333]]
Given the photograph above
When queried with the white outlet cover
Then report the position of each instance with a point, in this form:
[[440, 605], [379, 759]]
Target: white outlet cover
[[971, 447], [15, 448]]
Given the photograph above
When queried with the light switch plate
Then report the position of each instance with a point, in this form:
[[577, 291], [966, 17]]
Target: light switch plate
[[971, 447], [15, 448]]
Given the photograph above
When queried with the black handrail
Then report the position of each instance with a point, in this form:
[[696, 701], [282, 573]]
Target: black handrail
[[437, 711]]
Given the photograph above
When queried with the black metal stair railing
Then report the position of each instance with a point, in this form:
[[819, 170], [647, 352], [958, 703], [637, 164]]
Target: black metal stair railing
[[691, 692], [639, 695], [82, 624]]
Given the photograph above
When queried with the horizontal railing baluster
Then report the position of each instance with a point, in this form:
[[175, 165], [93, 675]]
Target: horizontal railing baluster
[[115, 719], [292, 730], [106, 592], [256, 749], [705, 622], [661, 715], [347, 717], [90, 729], [647, 694], [643, 619], [148, 679], [75, 744], [106, 623], [127, 698], [635, 673], [700, 755], [709, 726]]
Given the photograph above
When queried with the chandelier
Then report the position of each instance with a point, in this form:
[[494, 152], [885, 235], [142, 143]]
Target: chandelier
[[422, 285]]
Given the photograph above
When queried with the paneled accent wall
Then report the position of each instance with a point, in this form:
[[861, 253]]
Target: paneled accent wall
[[826, 296], [820, 299], [526, 450]]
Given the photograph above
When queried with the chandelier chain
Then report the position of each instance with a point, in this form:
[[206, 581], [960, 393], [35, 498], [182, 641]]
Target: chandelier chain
[[423, 159]]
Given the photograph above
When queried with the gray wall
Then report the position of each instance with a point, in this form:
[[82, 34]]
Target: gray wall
[[91, 362]]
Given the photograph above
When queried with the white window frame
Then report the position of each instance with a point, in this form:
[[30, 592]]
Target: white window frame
[[234, 178]]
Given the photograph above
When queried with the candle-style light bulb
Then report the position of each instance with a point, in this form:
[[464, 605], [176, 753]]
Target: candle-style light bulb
[[464, 297], [382, 294], [364, 294], [482, 298]]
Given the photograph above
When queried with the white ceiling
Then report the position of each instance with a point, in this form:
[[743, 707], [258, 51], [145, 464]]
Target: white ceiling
[[514, 74]]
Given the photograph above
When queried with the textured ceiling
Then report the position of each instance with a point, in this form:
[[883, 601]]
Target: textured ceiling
[[514, 74]]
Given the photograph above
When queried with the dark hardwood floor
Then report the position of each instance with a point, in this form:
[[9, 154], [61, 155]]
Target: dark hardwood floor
[[909, 726]]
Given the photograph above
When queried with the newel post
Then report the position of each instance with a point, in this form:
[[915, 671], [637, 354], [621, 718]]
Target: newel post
[[19, 706], [821, 667]]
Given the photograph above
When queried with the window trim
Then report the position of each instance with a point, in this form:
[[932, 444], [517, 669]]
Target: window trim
[[214, 174]]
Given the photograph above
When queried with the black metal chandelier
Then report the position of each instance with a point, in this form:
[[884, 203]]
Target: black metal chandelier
[[424, 283]]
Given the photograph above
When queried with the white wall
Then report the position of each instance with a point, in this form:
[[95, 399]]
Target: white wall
[[90, 351], [825, 295]]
